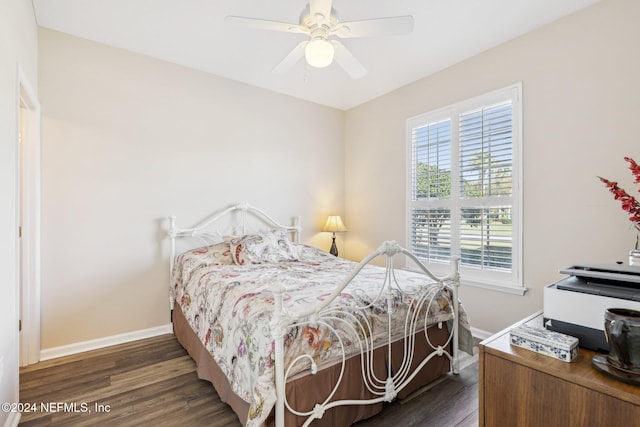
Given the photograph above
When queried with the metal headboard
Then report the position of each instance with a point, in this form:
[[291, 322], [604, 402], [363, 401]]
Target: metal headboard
[[239, 214]]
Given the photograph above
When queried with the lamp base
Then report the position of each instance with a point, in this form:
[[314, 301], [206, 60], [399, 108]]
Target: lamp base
[[334, 249]]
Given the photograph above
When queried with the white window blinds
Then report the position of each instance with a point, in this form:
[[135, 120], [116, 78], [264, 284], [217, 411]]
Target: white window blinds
[[485, 162], [486, 151], [464, 186], [431, 180]]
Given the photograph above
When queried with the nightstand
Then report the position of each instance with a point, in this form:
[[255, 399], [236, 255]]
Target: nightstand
[[519, 387]]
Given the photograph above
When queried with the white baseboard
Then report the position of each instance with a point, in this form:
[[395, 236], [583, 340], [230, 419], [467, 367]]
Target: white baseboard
[[13, 420], [479, 333], [66, 350]]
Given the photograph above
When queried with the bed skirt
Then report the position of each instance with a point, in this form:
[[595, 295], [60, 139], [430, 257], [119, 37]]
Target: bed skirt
[[303, 392]]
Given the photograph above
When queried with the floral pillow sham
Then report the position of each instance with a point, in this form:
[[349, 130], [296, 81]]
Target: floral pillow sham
[[188, 262], [268, 246]]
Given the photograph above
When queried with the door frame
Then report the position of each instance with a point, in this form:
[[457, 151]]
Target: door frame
[[28, 194]]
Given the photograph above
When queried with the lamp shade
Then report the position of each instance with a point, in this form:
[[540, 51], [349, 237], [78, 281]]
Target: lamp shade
[[334, 224], [319, 53]]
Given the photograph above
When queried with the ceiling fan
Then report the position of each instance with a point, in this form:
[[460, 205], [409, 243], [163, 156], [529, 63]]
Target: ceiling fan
[[320, 22]]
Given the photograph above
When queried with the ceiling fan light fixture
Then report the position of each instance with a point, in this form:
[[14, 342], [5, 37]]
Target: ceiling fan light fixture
[[319, 53], [319, 20]]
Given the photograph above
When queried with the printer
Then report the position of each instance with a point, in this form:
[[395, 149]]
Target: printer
[[576, 304]]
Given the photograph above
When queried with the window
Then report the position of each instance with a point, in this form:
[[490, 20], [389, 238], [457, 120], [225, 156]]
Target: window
[[465, 189]]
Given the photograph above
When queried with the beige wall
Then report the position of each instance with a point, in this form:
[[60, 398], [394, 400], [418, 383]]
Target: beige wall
[[18, 47], [129, 140], [581, 96]]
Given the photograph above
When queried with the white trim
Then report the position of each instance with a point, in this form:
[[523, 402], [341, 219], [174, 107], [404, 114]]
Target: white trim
[[499, 287], [480, 333], [29, 199], [66, 350], [13, 420], [518, 153], [482, 284]]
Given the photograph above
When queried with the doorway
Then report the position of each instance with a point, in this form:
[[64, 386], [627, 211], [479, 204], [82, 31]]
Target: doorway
[[28, 217]]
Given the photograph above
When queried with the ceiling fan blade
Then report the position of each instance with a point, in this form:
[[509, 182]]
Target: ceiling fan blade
[[290, 60], [262, 24], [320, 9], [375, 27], [347, 61]]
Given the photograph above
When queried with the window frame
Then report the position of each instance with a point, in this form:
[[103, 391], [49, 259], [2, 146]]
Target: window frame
[[510, 282]]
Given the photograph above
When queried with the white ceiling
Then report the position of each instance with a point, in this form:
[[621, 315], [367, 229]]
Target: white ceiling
[[193, 33]]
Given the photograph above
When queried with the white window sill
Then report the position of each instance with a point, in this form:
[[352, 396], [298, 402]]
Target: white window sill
[[465, 281], [499, 287]]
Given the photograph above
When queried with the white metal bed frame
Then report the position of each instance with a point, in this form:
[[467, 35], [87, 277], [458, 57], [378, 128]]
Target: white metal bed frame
[[239, 228], [386, 389]]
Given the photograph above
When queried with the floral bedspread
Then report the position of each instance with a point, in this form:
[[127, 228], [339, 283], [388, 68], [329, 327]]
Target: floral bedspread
[[230, 307]]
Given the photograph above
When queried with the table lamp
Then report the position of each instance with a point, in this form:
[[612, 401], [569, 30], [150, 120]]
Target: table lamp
[[334, 224]]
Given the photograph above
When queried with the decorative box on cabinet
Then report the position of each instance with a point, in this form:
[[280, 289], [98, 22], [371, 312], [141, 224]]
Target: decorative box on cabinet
[[519, 387]]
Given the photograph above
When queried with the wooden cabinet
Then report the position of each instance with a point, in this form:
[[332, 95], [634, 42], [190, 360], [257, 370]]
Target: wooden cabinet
[[519, 387]]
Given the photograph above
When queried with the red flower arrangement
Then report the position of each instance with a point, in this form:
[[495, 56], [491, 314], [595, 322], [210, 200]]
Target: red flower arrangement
[[629, 203]]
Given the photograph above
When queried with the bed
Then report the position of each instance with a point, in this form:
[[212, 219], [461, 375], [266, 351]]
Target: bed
[[290, 335]]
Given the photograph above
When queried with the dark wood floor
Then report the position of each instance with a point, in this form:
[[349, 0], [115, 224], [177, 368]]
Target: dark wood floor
[[153, 382]]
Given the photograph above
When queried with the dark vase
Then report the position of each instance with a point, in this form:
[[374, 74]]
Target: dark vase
[[622, 330]]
